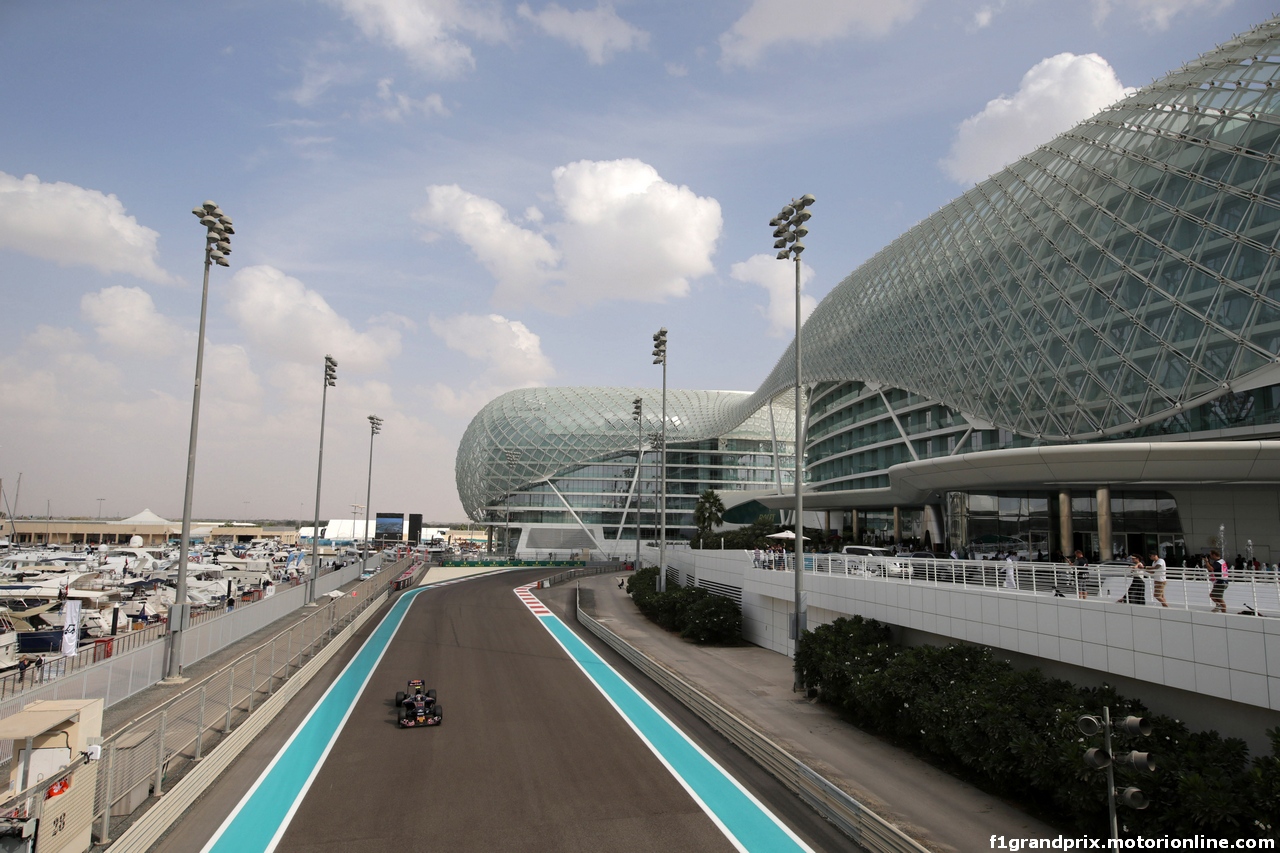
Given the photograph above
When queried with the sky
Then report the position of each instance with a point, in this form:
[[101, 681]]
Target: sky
[[457, 198]]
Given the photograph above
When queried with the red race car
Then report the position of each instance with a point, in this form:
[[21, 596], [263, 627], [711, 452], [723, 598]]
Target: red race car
[[418, 706]]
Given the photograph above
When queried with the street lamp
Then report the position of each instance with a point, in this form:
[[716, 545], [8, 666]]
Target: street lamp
[[218, 231], [660, 357], [330, 379], [1104, 758], [375, 427], [637, 412], [788, 229], [513, 456]]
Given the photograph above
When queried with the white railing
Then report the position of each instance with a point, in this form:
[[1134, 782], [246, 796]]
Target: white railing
[[1186, 588]]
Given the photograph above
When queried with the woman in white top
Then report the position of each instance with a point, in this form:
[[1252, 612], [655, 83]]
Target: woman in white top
[[1159, 576]]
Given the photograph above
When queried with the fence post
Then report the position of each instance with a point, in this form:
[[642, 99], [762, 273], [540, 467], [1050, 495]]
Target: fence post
[[110, 763], [159, 786], [253, 681], [200, 724], [231, 695], [271, 670], [288, 654]]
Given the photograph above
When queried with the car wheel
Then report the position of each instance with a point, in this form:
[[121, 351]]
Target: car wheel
[[403, 713], [438, 711], [432, 694], [400, 698]]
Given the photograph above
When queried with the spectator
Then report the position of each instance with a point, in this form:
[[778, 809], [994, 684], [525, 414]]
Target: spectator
[[23, 664], [1082, 574], [1010, 572], [1159, 576], [1218, 578]]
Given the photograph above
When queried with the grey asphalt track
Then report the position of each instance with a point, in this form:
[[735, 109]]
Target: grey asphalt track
[[530, 756]]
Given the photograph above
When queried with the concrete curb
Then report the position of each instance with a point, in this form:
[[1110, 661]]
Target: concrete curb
[[148, 829], [854, 819]]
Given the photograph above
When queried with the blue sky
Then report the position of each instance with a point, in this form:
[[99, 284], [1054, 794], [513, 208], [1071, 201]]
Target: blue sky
[[456, 198]]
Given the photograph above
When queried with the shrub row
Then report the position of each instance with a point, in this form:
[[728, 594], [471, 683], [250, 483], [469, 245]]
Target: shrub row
[[1013, 732], [696, 614]]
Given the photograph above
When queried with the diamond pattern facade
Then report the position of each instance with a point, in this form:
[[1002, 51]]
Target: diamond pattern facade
[[550, 432], [1114, 277]]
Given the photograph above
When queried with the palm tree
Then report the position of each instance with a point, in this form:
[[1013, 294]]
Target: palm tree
[[708, 513]]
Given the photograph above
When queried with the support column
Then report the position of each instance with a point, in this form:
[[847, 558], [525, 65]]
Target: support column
[[897, 525], [827, 524], [853, 525], [1104, 523], [1066, 536]]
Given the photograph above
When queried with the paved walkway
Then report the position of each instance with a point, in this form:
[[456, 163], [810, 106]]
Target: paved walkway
[[932, 807]]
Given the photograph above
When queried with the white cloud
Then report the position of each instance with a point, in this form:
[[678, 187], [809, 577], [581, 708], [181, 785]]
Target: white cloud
[[1054, 95], [427, 31], [599, 32], [778, 278], [397, 106], [126, 318], [71, 225], [625, 234], [510, 354], [281, 316], [1156, 14], [770, 22], [519, 259]]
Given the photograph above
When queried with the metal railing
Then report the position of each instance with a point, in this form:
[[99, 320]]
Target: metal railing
[[149, 753], [855, 820], [14, 683], [600, 569], [1185, 588]]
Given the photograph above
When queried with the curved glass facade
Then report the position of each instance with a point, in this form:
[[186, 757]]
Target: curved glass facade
[[1118, 275], [568, 456], [1120, 283]]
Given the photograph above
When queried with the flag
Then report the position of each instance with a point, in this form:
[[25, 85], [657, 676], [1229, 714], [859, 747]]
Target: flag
[[59, 787], [71, 628]]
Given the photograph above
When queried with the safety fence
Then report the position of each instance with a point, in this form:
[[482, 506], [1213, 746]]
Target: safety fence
[[855, 820], [586, 571], [147, 756], [207, 632], [1185, 588]]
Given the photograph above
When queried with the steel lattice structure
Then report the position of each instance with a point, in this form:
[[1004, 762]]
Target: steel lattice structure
[[554, 430], [1123, 273]]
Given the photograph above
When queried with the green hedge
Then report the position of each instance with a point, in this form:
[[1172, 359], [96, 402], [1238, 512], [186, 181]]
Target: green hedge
[[1013, 733], [695, 613]]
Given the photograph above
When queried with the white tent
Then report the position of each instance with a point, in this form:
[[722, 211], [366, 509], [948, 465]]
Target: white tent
[[144, 517], [786, 534]]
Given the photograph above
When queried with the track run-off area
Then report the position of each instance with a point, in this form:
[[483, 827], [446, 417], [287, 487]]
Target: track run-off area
[[550, 742]]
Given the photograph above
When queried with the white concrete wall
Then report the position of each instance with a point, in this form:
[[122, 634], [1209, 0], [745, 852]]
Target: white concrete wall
[[1248, 512], [1231, 657]]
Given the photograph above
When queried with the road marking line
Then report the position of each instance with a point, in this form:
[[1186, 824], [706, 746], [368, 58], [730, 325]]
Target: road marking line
[[745, 821]]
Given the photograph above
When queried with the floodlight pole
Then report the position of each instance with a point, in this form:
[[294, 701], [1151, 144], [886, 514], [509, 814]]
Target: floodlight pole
[[375, 427], [217, 247], [330, 378], [638, 411], [789, 228], [513, 456], [660, 357]]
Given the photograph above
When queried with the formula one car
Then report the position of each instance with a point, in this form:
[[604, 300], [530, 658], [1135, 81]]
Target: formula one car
[[418, 706]]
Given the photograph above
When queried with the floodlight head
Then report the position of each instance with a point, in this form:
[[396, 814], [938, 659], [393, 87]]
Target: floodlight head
[[1140, 761], [209, 222], [1088, 725], [797, 248], [787, 212], [806, 200], [1134, 798], [199, 212], [215, 254], [210, 206], [1136, 726], [775, 222], [803, 216], [802, 232], [780, 244], [784, 255], [222, 262], [1098, 759]]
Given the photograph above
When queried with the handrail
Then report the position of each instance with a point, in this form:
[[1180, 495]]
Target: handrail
[[855, 820]]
